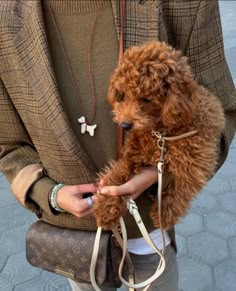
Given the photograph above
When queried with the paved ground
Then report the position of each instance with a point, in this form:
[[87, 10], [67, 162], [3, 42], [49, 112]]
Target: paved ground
[[206, 237]]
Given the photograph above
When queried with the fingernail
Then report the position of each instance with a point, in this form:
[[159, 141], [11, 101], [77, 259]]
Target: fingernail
[[104, 191]]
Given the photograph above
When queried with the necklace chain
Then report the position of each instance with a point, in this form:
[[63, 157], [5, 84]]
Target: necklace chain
[[86, 126]]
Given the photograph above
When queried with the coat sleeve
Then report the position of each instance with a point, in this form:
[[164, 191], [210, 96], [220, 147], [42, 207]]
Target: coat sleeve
[[205, 50], [19, 160]]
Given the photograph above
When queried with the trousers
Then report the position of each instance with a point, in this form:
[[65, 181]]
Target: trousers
[[145, 266]]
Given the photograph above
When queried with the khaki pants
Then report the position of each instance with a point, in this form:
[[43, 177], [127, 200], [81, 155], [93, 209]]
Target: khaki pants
[[145, 266]]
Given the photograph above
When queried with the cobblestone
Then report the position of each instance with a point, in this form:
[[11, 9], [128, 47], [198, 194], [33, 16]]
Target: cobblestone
[[195, 275], [8, 241], [192, 223], [204, 245], [225, 275], [221, 223]]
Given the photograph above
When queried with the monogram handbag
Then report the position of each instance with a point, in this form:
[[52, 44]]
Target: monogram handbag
[[68, 252]]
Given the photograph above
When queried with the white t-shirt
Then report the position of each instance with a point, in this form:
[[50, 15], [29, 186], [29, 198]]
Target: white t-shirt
[[139, 246]]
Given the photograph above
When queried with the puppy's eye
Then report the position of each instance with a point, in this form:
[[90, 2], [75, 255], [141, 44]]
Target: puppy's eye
[[145, 100], [120, 96]]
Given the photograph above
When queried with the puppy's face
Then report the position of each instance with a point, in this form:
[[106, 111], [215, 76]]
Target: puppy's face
[[152, 88]]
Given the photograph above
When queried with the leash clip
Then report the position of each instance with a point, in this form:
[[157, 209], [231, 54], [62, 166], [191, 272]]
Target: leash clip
[[160, 167], [161, 146]]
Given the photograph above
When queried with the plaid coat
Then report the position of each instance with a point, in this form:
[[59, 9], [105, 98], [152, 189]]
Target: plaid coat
[[37, 145]]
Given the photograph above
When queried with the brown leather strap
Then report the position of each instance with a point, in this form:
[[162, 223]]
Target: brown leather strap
[[70, 69], [177, 137], [121, 50]]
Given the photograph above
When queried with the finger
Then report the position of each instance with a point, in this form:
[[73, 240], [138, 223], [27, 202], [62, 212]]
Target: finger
[[116, 190], [85, 204], [101, 185], [86, 188], [82, 207], [135, 186]]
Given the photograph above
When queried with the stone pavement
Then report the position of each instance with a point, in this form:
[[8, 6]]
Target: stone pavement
[[206, 237]]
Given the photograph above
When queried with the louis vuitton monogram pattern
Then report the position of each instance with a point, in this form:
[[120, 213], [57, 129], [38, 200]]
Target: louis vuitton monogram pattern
[[68, 252]]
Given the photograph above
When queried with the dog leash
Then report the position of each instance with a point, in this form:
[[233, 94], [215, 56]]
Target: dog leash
[[133, 209], [161, 266], [122, 240], [125, 255], [161, 138]]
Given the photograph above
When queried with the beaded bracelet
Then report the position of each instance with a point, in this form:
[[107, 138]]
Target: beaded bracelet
[[53, 198]]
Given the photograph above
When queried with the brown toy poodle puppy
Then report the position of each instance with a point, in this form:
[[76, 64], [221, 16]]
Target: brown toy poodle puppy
[[152, 89]]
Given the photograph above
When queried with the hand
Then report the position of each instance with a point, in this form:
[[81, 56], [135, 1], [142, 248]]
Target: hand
[[70, 199], [135, 186]]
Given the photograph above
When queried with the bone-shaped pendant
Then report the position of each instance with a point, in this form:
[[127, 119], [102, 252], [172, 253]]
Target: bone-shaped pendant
[[85, 127]]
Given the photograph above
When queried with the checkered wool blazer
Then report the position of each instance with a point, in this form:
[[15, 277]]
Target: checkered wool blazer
[[37, 145]]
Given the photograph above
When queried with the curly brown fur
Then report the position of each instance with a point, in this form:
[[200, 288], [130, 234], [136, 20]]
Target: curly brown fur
[[153, 89]]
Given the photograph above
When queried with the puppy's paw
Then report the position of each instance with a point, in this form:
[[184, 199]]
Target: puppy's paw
[[108, 210]]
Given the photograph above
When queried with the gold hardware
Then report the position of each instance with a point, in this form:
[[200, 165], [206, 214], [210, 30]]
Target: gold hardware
[[161, 146]]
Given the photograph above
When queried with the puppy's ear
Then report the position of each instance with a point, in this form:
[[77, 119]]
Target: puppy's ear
[[111, 94], [115, 95], [178, 107], [179, 95], [115, 92]]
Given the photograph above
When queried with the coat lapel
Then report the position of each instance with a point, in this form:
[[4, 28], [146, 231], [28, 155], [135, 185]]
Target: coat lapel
[[143, 21], [33, 52]]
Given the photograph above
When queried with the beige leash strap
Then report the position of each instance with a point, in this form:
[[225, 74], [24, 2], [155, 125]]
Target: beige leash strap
[[161, 266], [125, 255], [161, 138], [160, 170], [95, 256], [94, 259]]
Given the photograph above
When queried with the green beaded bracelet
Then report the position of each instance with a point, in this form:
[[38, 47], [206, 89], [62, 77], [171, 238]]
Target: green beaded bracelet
[[53, 198]]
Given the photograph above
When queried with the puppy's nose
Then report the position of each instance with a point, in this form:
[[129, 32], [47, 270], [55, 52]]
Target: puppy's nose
[[127, 125]]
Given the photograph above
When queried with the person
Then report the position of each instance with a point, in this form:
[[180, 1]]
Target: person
[[56, 60]]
